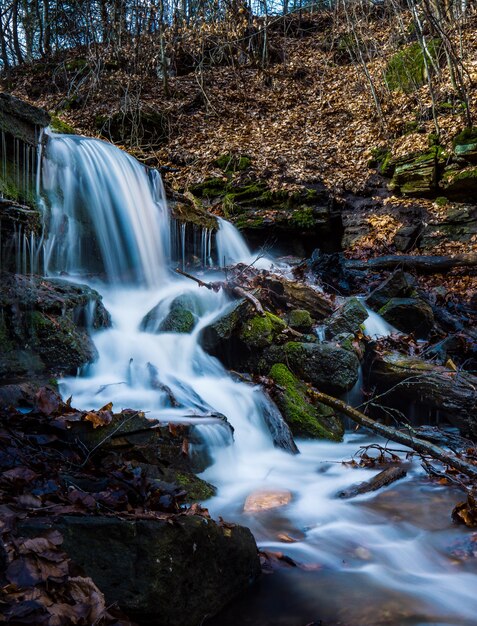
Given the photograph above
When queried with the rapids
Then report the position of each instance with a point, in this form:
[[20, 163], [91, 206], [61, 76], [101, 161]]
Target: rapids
[[393, 558]]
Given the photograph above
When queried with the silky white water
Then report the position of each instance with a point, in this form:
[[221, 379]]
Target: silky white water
[[377, 559]]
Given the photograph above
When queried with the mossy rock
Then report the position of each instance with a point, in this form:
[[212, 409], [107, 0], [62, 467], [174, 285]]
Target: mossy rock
[[261, 331], [460, 184], [411, 315], [325, 365], [300, 320], [305, 418], [233, 162], [406, 71], [381, 159], [346, 319], [465, 144], [417, 174], [60, 126], [178, 321], [197, 489]]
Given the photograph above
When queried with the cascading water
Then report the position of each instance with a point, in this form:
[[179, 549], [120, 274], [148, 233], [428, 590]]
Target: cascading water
[[383, 559], [100, 196]]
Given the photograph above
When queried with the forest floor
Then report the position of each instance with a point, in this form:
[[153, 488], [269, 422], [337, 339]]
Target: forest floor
[[307, 116]]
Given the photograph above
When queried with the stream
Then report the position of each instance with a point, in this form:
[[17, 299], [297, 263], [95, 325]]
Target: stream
[[391, 558]]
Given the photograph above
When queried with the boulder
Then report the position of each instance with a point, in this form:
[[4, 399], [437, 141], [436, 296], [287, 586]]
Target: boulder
[[300, 319], [305, 417], [411, 315], [328, 367], [173, 572], [45, 324], [347, 319], [459, 225], [460, 184], [261, 331], [398, 285]]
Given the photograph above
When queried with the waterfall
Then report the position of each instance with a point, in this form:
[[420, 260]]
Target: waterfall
[[107, 211], [390, 567], [231, 246]]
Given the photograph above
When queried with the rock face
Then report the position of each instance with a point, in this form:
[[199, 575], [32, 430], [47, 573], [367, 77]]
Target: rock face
[[20, 119], [167, 574], [417, 174], [44, 326], [411, 315]]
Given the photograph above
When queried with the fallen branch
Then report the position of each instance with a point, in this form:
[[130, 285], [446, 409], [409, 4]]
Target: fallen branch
[[229, 287], [383, 479], [238, 291], [426, 264], [419, 445]]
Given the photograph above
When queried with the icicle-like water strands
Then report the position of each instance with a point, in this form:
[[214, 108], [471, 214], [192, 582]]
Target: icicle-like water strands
[[383, 558]]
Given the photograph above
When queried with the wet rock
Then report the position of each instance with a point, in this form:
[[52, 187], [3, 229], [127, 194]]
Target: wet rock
[[305, 417], [347, 319], [398, 285], [411, 379], [299, 295], [279, 430], [178, 320], [175, 574], [265, 500], [19, 223], [221, 337], [328, 367], [45, 324], [411, 315], [300, 319]]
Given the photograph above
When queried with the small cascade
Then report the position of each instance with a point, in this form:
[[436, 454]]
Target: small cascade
[[231, 246], [107, 212], [376, 326]]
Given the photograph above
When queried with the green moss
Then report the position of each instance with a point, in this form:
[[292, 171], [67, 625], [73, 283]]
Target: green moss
[[469, 174], [60, 126], [178, 321], [406, 70], [303, 217], [432, 140], [197, 489], [466, 137], [300, 319], [233, 163], [305, 419], [441, 201], [261, 331], [210, 188]]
